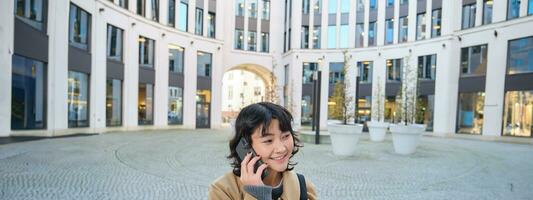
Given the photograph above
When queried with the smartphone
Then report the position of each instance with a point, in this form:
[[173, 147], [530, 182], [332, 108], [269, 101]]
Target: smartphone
[[243, 148]]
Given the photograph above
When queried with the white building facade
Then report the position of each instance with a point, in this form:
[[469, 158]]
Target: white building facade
[[97, 66]]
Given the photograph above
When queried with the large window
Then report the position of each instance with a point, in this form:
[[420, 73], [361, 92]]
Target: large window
[[332, 37], [79, 21], [372, 38], [239, 8], [239, 39], [345, 6], [183, 16], [31, 12], [317, 7], [332, 6], [469, 16], [365, 71], [307, 72], [146, 104], [359, 35], [175, 105], [78, 99], [373, 4], [212, 24], [175, 59], [113, 107], [203, 65], [252, 41], [252, 8], [343, 36], [305, 7], [265, 42], [305, 37], [336, 73], [114, 43], [513, 9], [28, 94], [470, 119], [266, 10], [436, 22], [199, 26], [146, 52], [520, 56], [427, 66], [425, 105], [155, 10], [389, 31], [487, 11], [171, 12], [316, 37], [518, 113], [421, 26], [403, 29], [474, 60], [394, 69]]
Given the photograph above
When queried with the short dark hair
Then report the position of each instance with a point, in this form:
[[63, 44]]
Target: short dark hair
[[253, 117]]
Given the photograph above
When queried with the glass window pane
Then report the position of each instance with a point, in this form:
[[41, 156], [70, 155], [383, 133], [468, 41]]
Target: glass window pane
[[171, 12], [239, 38], [435, 23], [203, 65], [265, 42], [252, 8], [114, 43], [183, 12], [470, 119], [175, 105], [373, 4], [199, 27], [252, 41], [146, 52], [518, 113], [365, 71], [345, 6], [28, 94], [305, 37], [332, 37], [359, 35], [211, 26], [146, 104], [360, 6], [487, 11], [332, 6], [266, 10], [389, 31], [530, 7], [520, 56], [155, 10], [316, 37], [78, 27], [403, 29], [113, 102], [372, 39], [343, 38], [78, 99], [239, 8], [390, 3], [30, 12], [474, 60], [513, 9], [305, 7], [317, 8], [176, 58], [308, 69], [421, 26]]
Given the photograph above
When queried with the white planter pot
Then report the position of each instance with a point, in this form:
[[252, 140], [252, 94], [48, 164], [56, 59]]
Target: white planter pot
[[377, 130], [406, 138], [344, 138]]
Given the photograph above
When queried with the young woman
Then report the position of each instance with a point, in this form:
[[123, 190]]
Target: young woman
[[267, 127]]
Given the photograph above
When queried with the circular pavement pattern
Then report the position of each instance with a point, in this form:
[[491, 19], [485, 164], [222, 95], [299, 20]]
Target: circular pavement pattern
[[180, 164]]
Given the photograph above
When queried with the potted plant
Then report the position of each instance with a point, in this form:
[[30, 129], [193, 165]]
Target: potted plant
[[377, 127], [344, 136], [406, 133]]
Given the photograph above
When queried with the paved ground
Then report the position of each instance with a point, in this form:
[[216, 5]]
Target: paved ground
[[181, 164]]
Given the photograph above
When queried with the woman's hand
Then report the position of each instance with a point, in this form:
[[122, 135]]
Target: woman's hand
[[248, 177]]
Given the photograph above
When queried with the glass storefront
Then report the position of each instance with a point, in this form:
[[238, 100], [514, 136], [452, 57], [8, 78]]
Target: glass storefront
[[390, 109], [424, 111], [28, 98], [364, 105], [203, 64], [203, 108], [307, 110], [175, 105], [146, 104], [113, 108], [78, 99], [518, 113], [470, 114]]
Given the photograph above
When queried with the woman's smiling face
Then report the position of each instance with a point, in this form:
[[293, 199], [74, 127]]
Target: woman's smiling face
[[275, 147]]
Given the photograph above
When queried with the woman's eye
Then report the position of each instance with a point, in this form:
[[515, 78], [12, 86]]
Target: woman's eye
[[286, 136], [267, 141]]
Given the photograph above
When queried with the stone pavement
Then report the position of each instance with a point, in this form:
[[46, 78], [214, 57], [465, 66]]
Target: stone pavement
[[180, 164]]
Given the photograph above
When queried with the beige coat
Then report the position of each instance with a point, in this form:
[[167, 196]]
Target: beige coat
[[229, 186]]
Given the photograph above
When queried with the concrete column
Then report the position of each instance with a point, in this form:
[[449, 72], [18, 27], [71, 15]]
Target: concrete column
[[429, 17], [189, 91], [191, 21], [351, 25], [451, 17], [296, 71], [494, 89], [161, 83], [396, 22], [57, 113], [131, 75], [98, 72], [324, 87], [163, 12], [499, 11], [381, 22], [296, 23], [366, 22], [216, 91], [446, 88], [479, 12], [7, 27], [411, 35]]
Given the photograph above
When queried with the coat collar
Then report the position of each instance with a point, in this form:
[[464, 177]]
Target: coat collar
[[291, 187]]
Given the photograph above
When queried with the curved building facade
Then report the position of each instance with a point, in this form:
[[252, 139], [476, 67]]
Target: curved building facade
[[109, 65]]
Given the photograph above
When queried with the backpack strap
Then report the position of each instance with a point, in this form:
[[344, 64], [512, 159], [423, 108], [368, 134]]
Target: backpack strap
[[303, 187]]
